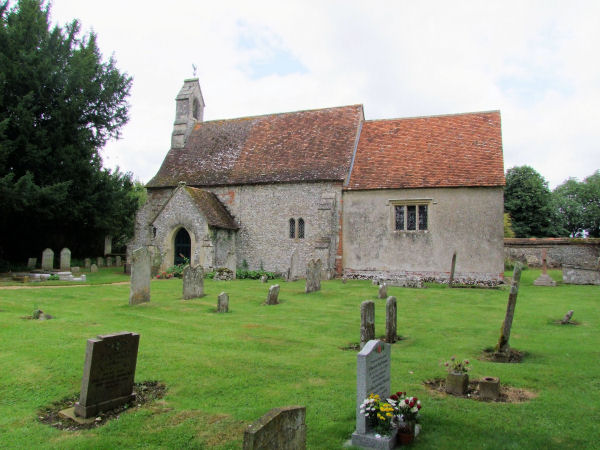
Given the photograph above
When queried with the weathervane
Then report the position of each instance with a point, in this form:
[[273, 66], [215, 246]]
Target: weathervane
[[194, 69]]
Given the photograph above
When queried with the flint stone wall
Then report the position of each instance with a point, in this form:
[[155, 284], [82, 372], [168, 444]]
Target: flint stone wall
[[280, 428], [560, 252]]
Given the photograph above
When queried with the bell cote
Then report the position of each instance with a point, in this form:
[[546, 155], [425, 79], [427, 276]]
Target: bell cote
[[189, 109]]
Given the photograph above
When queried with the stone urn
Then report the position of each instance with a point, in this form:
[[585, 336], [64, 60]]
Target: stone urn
[[489, 388], [457, 383]]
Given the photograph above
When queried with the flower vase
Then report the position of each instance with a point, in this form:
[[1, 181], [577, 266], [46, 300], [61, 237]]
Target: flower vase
[[457, 383]]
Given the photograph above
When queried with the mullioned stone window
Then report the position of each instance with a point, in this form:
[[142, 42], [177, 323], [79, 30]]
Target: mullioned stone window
[[300, 229], [411, 215]]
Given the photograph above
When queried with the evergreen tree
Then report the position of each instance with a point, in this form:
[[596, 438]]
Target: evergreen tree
[[59, 104]]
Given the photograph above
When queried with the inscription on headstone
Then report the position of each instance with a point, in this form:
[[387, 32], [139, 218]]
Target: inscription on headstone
[[140, 276], [193, 282], [65, 259], [47, 259], [108, 373]]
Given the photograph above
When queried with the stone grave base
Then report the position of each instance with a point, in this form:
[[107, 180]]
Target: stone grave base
[[544, 280], [370, 441], [92, 410], [69, 413]]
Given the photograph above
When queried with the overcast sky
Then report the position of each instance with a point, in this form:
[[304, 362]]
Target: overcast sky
[[537, 62]]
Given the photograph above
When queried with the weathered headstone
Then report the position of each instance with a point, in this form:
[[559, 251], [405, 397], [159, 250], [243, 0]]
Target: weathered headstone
[[313, 276], [47, 259], [391, 313], [100, 261], [31, 263], [193, 282], [107, 245], [109, 261], [93, 268], [367, 322], [565, 320], [140, 276], [118, 261], [294, 263], [272, 297], [503, 345], [280, 428], [87, 263], [452, 268], [65, 259], [372, 377], [544, 279], [383, 290], [223, 303], [75, 270], [264, 279], [108, 373]]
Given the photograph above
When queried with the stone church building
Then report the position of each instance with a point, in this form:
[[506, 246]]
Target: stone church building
[[371, 198]]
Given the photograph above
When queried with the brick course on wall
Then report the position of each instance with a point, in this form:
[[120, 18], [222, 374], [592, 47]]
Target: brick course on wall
[[559, 251]]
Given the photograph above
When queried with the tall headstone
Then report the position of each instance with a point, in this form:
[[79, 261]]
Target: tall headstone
[[109, 261], [65, 259], [294, 263], [372, 377], [223, 302], [452, 268], [391, 323], [47, 259], [367, 322], [313, 276], [383, 290], [93, 268], [193, 282], [272, 296], [87, 262], [100, 261], [108, 373], [31, 263], [502, 345], [118, 261], [107, 245], [140, 276], [544, 279]]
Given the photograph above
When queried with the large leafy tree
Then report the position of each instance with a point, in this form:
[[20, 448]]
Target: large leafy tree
[[568, 203], [60, 102], [528, 200], [590, 195]]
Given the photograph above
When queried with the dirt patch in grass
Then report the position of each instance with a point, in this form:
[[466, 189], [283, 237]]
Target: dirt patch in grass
[[508, 394], [511, 356], [570, 322], [145, 392]]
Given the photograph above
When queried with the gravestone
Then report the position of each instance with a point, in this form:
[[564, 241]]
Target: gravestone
[[452, 268], [47, 259], [280, 428], [107, 245], [140, 276], [65, 260], [108, 374], [292, 274], [31, 263], [272, 296], [193, 282], [391, 313], [75, 270], [118, 261], [367, 322], [93, 268], [100, 261], [544, 279], [109, 261], [87, 263], [264, 279], [223, 303], [313, 276], [567, 318], [372, 377], [502, 345], [383, 290]]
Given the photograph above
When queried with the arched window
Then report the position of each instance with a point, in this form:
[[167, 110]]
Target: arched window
[[301, 228], [292, 228]]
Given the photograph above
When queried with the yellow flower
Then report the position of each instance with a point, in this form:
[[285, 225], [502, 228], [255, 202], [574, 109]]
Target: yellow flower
[[388, 414]]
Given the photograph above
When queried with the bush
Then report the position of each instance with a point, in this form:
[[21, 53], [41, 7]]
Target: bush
[[253, 274]]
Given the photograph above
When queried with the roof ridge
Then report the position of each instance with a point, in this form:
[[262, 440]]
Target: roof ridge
[[283, 113], [435, 115]]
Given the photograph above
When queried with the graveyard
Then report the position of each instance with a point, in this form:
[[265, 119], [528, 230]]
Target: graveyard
[[223, 371]]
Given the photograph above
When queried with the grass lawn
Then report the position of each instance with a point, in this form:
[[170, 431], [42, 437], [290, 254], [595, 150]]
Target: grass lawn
[[223, 371]]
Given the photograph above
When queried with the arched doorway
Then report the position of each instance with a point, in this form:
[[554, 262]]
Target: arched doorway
[[182, 246]]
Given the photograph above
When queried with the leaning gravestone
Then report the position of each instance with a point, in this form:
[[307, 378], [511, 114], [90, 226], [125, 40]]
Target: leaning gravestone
[[65, 260], [372, 377], [87, 263], [272, 296], [502, 347], [140, 276], [193, 282], [391, 309], [280, 428], [223, 302], [47, 259], [292, 274], [108, 374], [383, 290], [313, 276], [93, 268], [452, 269], [367, 322], [264, 279], [31, 263]]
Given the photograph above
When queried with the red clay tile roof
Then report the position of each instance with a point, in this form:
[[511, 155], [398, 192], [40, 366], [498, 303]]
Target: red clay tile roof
[[437, 151], [216, 214], [314, 145]]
